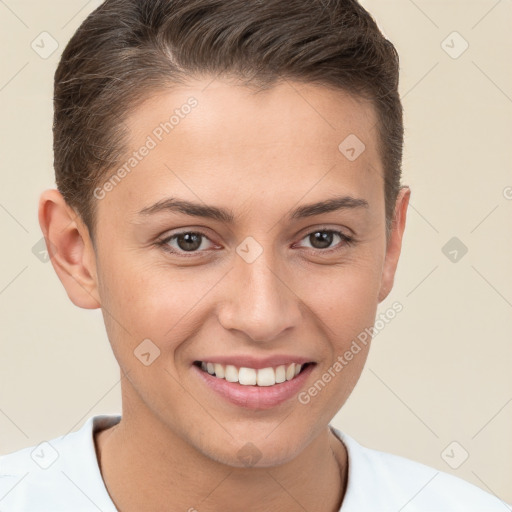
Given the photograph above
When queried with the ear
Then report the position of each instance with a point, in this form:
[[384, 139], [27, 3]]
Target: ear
[[394, 245], [70, 249]]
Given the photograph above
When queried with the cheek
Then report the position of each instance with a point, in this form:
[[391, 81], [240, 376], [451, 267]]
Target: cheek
[[344, 297], [343, 304], [154, 301]]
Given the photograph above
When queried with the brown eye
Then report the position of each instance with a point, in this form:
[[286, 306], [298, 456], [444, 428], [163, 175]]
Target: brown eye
[[189, 241], [322, 239], [184, 242]]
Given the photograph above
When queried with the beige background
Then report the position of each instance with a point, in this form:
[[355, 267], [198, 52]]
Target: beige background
[[438, 373]]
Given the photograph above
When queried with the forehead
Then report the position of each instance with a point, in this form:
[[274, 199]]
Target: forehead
[[215, 135], [291, 111]]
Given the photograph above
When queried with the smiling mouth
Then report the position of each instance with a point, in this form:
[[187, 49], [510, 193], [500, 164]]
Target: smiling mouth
[[253, 377]]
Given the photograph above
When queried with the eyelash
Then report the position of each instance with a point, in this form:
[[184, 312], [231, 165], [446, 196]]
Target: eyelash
[[346, 239]]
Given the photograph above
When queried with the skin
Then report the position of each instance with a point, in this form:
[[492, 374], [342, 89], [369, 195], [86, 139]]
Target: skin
[[177, 442]]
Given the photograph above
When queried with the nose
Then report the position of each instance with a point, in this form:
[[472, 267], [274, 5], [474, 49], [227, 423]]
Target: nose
[[259, 300]]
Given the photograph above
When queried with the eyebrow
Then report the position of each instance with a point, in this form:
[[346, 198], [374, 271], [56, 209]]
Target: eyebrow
[[224, 215]]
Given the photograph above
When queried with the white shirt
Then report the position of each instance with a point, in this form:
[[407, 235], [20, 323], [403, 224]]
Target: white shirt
[[63, 475]]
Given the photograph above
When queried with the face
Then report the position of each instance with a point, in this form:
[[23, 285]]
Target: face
[[254, 271]]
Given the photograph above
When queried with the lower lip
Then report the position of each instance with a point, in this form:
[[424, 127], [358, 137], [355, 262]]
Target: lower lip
[[255, 397]]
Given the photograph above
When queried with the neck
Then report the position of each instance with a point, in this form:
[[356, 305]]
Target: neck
[[145, 466]]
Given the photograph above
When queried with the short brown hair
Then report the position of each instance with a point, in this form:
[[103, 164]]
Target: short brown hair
[[126, 49]]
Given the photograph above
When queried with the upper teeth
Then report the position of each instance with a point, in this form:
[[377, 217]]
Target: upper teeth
[[250, 376]]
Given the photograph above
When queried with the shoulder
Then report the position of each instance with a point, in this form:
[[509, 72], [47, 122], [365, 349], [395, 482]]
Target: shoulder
[[387, 482], [61, 474]]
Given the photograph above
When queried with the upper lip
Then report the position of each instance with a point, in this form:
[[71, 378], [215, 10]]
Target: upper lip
[[247, 361]]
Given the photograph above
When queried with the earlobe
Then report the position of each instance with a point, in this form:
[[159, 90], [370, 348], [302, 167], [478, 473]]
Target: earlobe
[[394, 246], [70, 249]]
